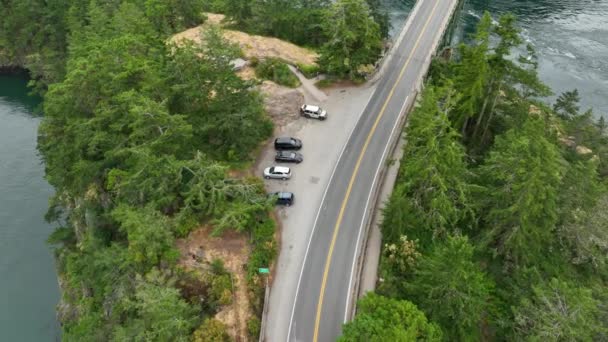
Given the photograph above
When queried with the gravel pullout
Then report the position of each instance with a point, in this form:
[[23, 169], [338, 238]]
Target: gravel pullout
[[323, 141]]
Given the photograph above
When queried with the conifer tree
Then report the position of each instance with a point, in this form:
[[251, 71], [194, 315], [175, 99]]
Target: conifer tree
[[434, 168], [353, 38], [451, 289], [559, 311], [522, 176]]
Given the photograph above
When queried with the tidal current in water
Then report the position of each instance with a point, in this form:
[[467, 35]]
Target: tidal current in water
[[570, 36]]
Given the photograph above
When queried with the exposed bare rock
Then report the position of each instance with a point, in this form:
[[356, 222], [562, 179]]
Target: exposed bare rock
[[582, 150], [567, 141], [534, 110]]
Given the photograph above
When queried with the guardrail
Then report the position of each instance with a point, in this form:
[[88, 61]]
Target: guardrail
[[393, 142], [264, 313]]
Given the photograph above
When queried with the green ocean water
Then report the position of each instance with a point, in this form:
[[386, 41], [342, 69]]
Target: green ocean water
[[570, 37], [28, 282]]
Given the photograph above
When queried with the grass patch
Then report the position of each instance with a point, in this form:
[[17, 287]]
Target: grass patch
[[325, 83], [275, 70], [309, 70]]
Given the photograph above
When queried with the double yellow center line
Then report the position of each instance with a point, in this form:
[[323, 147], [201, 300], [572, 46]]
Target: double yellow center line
[[356, 171]]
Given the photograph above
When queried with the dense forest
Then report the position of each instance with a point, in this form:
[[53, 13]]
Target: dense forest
[[139, 138], [497, 227]]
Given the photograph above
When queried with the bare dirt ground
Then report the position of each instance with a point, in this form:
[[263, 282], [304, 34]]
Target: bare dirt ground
[[253, 46], [199, 249], [281, 103]]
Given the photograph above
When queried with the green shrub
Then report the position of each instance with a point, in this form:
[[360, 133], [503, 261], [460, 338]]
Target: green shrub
[[217, 267], [325, 83], [221, 289], [264, 248], [211, 330], [309, 70], [277, 71], [253, 328]]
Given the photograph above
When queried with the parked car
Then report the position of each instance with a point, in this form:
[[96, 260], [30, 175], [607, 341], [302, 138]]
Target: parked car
[[277, 172], [287, 143], [288, 157], [283, 198], [314, 112]]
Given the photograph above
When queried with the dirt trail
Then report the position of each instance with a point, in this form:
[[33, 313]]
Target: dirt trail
[[309, 86]]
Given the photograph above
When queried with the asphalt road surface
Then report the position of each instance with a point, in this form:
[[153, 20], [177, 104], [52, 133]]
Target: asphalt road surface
[[323, 293]]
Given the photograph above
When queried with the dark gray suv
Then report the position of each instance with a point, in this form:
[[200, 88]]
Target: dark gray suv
[[288, 157], [287, 143]]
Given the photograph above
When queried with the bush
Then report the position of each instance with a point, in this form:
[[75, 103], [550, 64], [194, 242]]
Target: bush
[[221, 290], [253, 328], [325, 83], [275, 70], [264, 248], [309, 70], [211, 330]]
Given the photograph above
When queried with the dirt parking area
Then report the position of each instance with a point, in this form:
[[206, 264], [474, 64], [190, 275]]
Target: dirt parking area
[[322, 143]]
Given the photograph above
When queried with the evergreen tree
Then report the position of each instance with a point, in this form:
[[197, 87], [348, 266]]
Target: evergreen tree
[[156, 312], [227, 117], [239, 11], [487, 76], [585, 235], [434, 199], [567, 104], [353, 38], [522, 175], [380, 15], [472, 76], [559, 311], [148, 235], [451, 289]]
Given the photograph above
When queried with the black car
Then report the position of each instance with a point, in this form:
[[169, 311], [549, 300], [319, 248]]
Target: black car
[[283, 198], [287, 143], [288, 157]]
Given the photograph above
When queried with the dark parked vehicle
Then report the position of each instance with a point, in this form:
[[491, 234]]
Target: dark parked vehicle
[[288, 157], [287, 143], [283, 198]]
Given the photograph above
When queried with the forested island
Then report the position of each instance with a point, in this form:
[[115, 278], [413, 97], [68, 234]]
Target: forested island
[[145, 140], [496, 229]]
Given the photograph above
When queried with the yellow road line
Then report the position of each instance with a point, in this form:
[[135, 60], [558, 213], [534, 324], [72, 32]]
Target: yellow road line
[[356, 171]]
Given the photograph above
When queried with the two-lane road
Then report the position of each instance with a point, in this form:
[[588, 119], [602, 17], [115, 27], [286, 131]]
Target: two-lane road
[[323, 293]]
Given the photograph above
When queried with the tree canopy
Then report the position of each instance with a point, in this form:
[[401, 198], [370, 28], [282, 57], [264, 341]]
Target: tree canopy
[[384, 319], [496, 228]]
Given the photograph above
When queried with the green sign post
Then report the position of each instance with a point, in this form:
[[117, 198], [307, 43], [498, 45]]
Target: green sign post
[[263, 270]]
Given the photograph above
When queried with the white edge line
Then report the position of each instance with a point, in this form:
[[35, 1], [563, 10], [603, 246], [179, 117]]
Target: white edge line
[[355, 259], [314, 227], [406, 27], [365, 212]]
